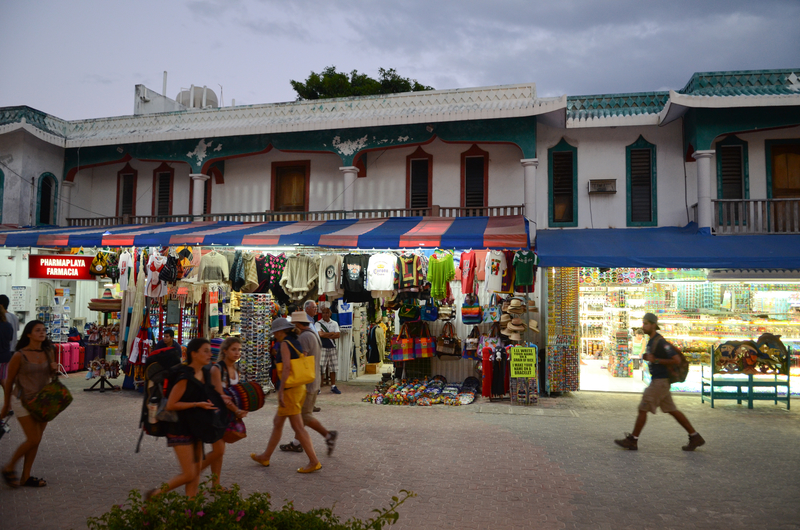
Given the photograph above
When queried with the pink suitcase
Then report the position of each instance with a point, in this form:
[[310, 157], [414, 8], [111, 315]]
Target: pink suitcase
[[75, 363], [67, 362]]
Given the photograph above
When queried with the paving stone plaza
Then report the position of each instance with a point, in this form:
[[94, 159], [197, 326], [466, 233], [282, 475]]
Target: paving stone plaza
[[485, 465]]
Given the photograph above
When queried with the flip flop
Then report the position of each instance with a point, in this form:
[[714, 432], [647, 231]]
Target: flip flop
[[10, 478], [310, 470], [264, 463], [35, 482]]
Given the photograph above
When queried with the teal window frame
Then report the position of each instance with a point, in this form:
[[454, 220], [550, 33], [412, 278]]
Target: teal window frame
[[768, 144], [561, 147], [42, 177], [641, 143], [728, 141]]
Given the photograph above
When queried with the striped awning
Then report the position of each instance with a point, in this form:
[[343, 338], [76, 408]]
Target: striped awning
[[509, 232]]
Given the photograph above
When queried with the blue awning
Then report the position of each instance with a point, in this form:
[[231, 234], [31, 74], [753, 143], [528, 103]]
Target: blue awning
[[667, 247]]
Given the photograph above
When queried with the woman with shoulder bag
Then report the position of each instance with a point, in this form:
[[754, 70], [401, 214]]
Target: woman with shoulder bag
[[223, 375], [290, 400], [31, 368], [188, 394]]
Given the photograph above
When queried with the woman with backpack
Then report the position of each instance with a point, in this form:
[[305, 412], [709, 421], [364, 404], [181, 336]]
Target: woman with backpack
[[223, 375], [190, 397], [290, 400], [29, 370]]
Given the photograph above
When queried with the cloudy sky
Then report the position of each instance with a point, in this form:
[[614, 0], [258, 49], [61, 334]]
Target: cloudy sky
[[81, 58]]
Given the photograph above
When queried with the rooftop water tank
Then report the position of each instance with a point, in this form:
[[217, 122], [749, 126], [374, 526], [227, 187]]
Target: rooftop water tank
[[198, 98]]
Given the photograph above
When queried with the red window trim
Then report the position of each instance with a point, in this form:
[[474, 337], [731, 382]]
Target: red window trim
[[475, 151], [214, 176], [127, 170], [418, 155], [360, 162], [305, 164], [163, 168]]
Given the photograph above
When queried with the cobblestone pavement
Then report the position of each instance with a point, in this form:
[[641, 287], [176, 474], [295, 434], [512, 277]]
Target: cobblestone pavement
[[485, 465]]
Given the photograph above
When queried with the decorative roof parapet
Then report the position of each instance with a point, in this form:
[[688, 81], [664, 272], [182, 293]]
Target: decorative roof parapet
[[744, 83], [603, 110], [24, 114]]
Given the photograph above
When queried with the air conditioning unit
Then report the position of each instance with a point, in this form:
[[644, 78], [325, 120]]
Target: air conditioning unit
[[602, 186]]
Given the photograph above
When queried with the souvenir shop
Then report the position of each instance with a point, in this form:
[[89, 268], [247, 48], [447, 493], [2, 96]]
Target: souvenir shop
[[712, 314], [407, 314]]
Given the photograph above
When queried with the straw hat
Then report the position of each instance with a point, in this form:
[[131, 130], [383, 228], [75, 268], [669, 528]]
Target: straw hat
[[516, 310], [505, 331], [514, 337], [505, 318], [300, 317], [107, 295], [534, 326], [515, 303], [518, 322], [280, 324]]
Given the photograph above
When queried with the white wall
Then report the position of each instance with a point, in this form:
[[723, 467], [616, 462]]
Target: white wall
[[601, 155]]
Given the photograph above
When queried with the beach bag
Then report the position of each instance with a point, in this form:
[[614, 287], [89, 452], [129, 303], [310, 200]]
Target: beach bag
[[677, 373], [49, 402], [471, 312], [424, 346], [492, 340], [99, 264], [246, 396], [408, 312], [429, 312], [402, 346], [303, 369], [448, 345], [169, 272], [236, 431], [471, 347], [493, 311]]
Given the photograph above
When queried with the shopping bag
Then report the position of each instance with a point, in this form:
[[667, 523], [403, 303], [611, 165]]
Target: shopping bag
[[492, 312], [490, 341], [424, 346], [472, 344], [448, 345], [429, 312], [402, 346], [408, 312], [303, 370], [471, 312], [49, 402], [236, 431]]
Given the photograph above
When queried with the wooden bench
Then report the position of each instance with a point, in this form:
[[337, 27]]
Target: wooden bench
[[712, 384]]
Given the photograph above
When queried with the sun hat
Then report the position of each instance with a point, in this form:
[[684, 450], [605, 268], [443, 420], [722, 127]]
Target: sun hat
[[515, 302], [300, 317], [518, 310], [650, 317], [533, 325], [518, 322], [505, 318], [280, 324], [515, 337], [108, 295]]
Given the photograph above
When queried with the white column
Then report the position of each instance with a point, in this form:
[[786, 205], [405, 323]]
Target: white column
[[529, 166], [66, 199], [350, 173], [198, 188], [704, 213]]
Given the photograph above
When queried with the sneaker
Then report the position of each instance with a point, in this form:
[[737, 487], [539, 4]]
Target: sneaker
[[291, 448], [629, 442], [335, 390], [694, 442], [331, 442]]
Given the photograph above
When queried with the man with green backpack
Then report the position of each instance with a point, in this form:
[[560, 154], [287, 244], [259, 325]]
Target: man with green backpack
[[667, 365]]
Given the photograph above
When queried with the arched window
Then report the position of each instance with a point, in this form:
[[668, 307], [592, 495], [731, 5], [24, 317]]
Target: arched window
[[47, 203]]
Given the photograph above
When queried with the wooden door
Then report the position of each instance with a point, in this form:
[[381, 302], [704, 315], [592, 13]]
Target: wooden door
[[290, 189], [786, 185]]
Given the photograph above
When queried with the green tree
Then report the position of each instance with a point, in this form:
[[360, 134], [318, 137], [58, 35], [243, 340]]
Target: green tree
[[332, 84]]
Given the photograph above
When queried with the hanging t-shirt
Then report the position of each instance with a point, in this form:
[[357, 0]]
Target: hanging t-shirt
[[155, 288], [381, 274], [330, 276], [354, 278], [409, 273], [440, 271], [524, 268], [467, 267], [345, 312], [125, 270], [494, 269], [508, 275]]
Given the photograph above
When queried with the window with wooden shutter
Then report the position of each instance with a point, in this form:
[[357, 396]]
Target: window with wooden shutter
[[474, 180], [126, 190], [419, 184], [290, 186], [732, 180], [163, 194], [562, 162], [731, 172], [640, 166]]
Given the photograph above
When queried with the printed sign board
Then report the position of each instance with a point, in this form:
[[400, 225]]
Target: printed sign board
[[60, 267], [523, 362]]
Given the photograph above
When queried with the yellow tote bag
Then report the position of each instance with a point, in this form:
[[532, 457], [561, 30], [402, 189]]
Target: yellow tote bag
[[301, 371]]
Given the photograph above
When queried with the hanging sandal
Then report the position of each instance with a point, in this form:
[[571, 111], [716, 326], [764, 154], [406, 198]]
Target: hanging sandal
[[310, 469], [291, 448], [10, 478], [35, 482]]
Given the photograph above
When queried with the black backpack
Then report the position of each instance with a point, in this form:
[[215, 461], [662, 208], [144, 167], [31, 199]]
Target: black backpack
[[161, 370]]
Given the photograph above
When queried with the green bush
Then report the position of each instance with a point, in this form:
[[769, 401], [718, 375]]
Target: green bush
[[215, 508]]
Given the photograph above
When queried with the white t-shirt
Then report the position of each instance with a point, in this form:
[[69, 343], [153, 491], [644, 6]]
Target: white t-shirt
[[494, 269], [380, 272], [330, 276], [332, 327], [125, 269]]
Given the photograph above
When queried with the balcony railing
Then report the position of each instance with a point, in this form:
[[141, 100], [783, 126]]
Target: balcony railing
[[327, 215], [756, 216]]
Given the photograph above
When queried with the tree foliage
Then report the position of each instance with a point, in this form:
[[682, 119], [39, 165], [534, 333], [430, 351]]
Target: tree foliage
[[332, 84]]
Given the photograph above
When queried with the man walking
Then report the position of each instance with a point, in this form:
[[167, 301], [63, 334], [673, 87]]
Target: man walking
[[328, 331], [12, 319], [660, 355], [311, 346]]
